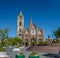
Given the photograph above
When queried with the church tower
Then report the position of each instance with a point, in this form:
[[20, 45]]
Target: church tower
[[20, 25]]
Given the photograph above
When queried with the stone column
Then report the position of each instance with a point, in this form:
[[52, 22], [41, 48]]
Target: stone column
[[29, 42]]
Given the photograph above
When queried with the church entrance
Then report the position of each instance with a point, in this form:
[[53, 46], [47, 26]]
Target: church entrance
[[33, 41], [26, 42]]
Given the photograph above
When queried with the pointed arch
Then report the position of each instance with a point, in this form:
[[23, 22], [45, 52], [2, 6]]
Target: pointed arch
[[20, 23]]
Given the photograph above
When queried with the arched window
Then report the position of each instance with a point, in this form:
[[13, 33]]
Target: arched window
[[20, 23], [20, 30]]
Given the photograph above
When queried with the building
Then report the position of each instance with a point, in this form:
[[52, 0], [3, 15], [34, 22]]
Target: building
[[31, 34]]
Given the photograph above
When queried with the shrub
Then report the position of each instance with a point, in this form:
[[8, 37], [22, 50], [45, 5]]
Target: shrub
[[34, 54], [21, 53], [33, 43], [2, 49], [43, 42]]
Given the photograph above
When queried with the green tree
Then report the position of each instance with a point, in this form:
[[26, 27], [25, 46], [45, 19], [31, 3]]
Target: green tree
[[7, 42], [6, 31], [57, 33], [48, 36], [3, 34], [17, 41]]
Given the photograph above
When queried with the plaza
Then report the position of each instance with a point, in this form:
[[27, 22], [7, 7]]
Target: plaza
[[30, 28], [43, 51], [28, 41]]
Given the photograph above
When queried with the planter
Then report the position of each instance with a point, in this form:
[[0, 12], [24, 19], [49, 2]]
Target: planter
[[20, 56], [33, 56]]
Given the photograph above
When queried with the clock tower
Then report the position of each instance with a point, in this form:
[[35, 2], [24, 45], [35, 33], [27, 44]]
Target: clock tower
[[20, 24]]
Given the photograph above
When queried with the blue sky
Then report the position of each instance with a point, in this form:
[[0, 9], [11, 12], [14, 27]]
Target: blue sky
[[46, 13]]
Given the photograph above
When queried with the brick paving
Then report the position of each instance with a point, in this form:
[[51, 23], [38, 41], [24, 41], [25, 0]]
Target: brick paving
[[46, 49], [26, 53], [43, 51]]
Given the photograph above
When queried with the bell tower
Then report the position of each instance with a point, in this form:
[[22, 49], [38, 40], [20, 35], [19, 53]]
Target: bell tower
[[20, 25]]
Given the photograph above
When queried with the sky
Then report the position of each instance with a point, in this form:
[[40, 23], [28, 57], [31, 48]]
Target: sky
[[46, 13]]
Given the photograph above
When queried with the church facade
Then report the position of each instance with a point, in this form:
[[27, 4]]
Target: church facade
[[31, 34]]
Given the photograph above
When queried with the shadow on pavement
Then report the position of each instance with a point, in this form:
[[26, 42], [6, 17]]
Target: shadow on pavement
[[52, 55]]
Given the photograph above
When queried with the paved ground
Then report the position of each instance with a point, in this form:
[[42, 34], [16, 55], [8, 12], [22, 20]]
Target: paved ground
[[46, 49], [27, 53]]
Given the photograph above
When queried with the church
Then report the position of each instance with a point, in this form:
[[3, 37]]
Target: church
[[31, 34]]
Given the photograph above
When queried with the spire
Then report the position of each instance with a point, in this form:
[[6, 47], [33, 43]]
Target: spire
[[31, 21], [21, 13], [36, 24], [43, 29]]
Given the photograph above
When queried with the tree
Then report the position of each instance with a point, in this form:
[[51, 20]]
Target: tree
[[57, 33], [3, 34], [7, 42], [6, 31], [17, 41], [48, 36]]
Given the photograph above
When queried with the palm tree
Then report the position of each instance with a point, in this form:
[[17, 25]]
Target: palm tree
[[6, 30], [57, 33], [48, 36], [4, 34]]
